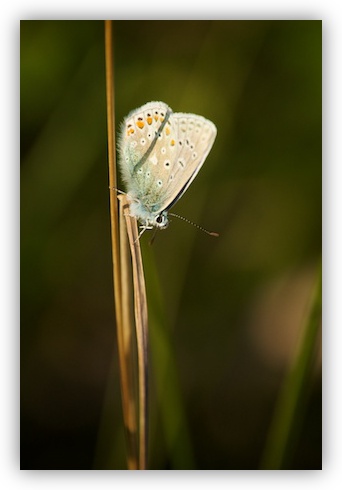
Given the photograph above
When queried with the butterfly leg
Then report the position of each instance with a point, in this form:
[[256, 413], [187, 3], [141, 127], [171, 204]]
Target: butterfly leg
[[143, 229]]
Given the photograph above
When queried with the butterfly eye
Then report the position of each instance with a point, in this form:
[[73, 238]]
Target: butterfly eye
[[161, 221]]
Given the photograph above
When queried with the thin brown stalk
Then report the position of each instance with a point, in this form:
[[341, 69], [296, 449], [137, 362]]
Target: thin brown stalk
[[141, 325], [128, 348], [112, 165], [126, 357]]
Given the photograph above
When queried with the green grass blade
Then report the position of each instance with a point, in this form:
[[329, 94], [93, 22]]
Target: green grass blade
[[291, 398]]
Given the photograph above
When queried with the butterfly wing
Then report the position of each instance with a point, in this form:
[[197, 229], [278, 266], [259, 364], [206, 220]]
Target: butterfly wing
[[161, 154], [195, 138], [139, 136]]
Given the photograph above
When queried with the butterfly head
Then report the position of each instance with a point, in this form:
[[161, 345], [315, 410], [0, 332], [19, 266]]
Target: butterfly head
[[147, 217]]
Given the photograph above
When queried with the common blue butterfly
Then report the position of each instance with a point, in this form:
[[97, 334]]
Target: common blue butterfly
[[161, 152]]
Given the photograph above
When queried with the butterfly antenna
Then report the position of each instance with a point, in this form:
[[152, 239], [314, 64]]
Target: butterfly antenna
[[211, 233]]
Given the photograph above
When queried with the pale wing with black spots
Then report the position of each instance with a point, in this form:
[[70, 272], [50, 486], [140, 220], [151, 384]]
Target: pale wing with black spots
[[195, 137], [161, 152]]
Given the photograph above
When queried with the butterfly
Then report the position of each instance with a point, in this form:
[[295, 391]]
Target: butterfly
[[160, 154]]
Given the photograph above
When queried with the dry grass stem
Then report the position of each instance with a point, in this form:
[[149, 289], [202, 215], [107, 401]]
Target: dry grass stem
[[124, 323], [141, 325]]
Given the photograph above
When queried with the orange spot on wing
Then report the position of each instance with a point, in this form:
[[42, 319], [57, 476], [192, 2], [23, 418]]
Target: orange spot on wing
[[140, 124], [149, 120], [167, 130], [130, 131], [172, 142]]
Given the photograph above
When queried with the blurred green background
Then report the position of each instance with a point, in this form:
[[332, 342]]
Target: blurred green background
[[227, 315]]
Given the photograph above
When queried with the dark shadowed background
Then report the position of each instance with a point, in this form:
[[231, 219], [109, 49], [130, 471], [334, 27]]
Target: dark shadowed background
[[227, 314]]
